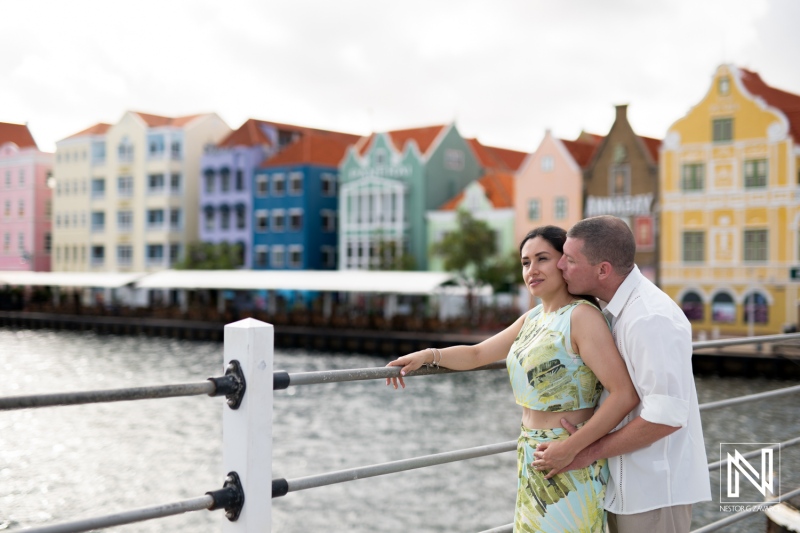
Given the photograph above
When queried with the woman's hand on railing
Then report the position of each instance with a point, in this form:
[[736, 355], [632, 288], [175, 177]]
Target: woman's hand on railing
[[409, 363]]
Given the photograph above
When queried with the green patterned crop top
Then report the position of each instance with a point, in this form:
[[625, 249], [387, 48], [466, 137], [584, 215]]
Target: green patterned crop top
[[545, 373]]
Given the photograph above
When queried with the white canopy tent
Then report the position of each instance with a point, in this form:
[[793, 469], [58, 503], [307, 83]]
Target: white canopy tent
[[112, 280]]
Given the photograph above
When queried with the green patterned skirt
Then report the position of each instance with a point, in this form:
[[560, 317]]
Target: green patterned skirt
[[569, 502]]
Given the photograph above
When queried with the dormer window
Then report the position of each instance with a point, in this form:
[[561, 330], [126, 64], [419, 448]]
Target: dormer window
[[724, 86], [548, 164], [380, 156]]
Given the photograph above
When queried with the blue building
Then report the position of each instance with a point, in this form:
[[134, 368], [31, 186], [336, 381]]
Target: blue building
[[295, 200]]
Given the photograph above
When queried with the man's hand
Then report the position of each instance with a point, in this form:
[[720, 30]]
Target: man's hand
[[541, 462]]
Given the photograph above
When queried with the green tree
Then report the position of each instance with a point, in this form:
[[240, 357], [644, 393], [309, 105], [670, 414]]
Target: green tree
[[211, 256]]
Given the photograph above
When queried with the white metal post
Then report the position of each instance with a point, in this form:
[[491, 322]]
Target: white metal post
[[247, 431]]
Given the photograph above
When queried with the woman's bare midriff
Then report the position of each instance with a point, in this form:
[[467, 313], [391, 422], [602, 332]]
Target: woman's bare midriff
[[547, 420]]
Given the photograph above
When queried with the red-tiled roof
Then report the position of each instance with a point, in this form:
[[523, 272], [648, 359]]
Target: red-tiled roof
[[326, 149], [423, 136], [512, 158], [486, 157], [652, 146], [787, 102], [98, 129], [248, 134], [156, 121], [499, 188], [18, 134], [582, 149]]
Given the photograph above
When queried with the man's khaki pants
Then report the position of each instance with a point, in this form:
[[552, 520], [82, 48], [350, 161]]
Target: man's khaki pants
[[675, 519]]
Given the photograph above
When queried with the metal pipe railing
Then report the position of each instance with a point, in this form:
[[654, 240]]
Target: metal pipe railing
[[719, 524], [756, 453], [362, 374], [283, 487], [761, 339], [749, 398]]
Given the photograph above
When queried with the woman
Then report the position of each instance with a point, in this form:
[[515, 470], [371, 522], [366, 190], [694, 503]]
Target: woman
[[560, 356]]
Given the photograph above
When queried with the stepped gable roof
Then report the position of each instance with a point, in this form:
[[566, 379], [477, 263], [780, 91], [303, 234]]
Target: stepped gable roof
[[156, 121], [787, 102], [583, 147], [499, 188], [326, 149], [424, 138], [18, 134], [98, 129], [652, 146]]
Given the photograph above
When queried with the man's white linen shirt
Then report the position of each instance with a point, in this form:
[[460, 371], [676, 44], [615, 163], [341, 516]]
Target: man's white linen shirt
[[654, 338]]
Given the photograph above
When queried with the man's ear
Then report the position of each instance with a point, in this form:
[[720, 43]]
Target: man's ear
[[605, 270]]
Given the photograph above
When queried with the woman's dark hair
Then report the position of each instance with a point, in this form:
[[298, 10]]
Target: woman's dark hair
[[556, 237]]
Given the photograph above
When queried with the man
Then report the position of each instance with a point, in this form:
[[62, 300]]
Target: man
[[656, 455]]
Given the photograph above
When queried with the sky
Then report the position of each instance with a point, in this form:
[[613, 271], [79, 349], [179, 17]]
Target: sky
[[504, 71]]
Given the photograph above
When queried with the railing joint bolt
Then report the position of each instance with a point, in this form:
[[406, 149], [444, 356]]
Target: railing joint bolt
[[230, 497], [232, 384]]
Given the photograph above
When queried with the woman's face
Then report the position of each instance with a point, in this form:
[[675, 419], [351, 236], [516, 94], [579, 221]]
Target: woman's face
[[539, 267]]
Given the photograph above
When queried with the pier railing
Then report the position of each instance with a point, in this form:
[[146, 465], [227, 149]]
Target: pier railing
[[248, 385]]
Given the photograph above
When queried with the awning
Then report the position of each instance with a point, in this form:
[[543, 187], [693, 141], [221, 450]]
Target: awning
[[390, 282], [70, 279]]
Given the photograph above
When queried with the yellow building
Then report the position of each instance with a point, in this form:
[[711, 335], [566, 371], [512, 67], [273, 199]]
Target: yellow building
[[730, 207]]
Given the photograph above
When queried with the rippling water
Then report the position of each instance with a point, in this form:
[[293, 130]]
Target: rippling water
[[65, 463]]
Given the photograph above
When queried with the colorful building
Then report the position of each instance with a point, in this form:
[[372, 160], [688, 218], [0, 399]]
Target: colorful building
[[730, 209], [295, 207], [388, 182], [127, 194], [621, 179], [549, 184], [25, 200]]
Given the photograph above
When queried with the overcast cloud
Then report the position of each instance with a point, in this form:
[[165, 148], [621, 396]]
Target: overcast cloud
[[503, 70]]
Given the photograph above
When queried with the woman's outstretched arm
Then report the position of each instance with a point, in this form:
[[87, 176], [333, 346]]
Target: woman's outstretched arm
[[460, 357]]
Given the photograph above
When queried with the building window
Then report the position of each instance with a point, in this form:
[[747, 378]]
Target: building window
[[155, 254], [175, 183], [328, 220], [48, 243], [548, 163], [277, 260], [155, 184], [155, 146], [755, 173], [125, 151], [225, 179], [723, 309], [21, 208], [534, 209], [619, 183], [125, 186], [124, 221], [756, 309], [261, 221], [240, 216], [692, 306], [755, 245], [7, 209], [21, 177], [560, 211], [724, 86], [694, 246], [278, 220], [98, 255], [209, 218], [693, 177], [174, 253], [239, 179], [328, 257], [295, 219], [209, 180], [124, 255], [21, 242], [295, 256], [722, 129], [261, 255], [98, 188], [98, 221], [98, 152], [176, 149], [453, 159], [155, 219], [278, 184], [296, 183], [225, 217], [175, 219], [328, 182], [261, 186]]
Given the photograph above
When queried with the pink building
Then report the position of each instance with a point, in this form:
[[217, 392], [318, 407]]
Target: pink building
[[549, 184], [25, 201]]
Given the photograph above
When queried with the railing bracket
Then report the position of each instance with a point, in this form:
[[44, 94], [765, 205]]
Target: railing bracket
[[232, 384], [230, 497]]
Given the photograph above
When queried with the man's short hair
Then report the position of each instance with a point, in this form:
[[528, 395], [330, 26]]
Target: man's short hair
[[606, 239]]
